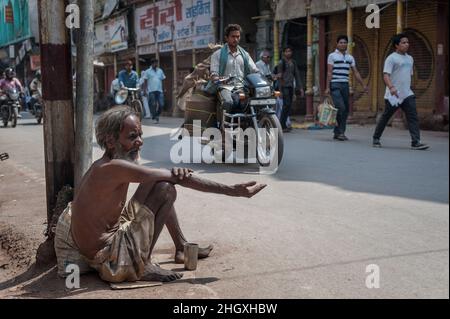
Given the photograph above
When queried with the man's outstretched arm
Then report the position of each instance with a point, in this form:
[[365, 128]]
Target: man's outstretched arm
[[186, 179], [121, 171]]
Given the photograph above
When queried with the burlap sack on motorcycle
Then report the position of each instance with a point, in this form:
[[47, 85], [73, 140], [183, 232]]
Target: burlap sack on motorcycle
[[194, 101]]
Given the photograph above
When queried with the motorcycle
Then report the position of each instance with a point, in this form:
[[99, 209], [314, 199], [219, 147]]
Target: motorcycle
[[9, 106], [36, 108], [253, 107], [130, 97]]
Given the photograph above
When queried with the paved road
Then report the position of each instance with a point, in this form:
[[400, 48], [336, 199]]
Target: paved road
[[332, 209]]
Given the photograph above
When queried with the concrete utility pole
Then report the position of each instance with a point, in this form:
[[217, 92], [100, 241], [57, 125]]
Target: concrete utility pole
[[57, 96], [175, 111], [85, 94], [276, 44]]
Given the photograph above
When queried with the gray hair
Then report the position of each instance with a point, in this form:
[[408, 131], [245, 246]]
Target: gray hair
[[264, 53], [111, 123]]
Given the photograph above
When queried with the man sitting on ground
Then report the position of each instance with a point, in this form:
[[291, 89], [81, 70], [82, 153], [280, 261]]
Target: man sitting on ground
[[117, 239]]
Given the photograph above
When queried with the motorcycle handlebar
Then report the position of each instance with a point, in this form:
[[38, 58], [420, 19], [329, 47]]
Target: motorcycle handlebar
[[224, 79]]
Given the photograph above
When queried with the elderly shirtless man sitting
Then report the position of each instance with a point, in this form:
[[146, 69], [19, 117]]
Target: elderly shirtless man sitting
[[97, 230]]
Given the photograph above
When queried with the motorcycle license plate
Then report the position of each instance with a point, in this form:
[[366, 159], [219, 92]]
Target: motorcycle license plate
[[263, 102]]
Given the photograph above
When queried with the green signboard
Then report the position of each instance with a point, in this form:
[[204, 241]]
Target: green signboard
[[14, 21]]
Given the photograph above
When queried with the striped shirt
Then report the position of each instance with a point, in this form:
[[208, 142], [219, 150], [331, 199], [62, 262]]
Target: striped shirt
[[341, 65]]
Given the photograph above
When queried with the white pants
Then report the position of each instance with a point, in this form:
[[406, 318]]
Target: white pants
[[146, 107]]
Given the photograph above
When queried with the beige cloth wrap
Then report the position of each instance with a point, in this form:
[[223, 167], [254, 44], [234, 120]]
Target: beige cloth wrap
[[124, 259]]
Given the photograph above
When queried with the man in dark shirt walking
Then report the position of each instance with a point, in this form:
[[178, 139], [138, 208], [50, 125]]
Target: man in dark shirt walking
[[288, 73]]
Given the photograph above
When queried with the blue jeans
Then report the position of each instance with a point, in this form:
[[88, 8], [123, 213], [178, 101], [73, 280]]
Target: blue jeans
[[153, 98], [340, 95]]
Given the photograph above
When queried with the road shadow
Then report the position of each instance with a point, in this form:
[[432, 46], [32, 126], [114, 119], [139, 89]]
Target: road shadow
[[354, 165], [44, 282]]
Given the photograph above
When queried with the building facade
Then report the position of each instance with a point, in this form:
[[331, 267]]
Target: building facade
[[19, 37], [424, 22], [176, 32]]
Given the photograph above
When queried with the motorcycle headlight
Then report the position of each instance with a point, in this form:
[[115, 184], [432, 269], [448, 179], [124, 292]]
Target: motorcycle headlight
[[264, 91], [14, 96], [121, 96]]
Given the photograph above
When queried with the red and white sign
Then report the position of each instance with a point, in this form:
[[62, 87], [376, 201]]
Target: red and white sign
[[9, 13], [170, 20]]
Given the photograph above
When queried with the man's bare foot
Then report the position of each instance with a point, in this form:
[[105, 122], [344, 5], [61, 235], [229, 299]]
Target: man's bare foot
[[203, 252], [156, 273]]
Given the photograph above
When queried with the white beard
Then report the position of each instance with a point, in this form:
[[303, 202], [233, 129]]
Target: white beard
[[121, 154]]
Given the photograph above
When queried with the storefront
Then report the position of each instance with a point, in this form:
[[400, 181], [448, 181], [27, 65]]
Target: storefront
[[426, 25]]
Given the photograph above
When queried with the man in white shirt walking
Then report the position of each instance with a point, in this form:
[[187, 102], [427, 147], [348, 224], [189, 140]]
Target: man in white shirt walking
[[153, 78], [115, 86], [144, 98], [398, 69], [264, 64]]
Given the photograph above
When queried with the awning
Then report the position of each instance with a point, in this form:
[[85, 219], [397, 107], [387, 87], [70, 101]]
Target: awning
[[292, 9], [110, 6]]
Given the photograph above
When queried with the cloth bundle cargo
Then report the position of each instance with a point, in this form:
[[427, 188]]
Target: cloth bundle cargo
[[327, 113], [201, 108], [195, 101]]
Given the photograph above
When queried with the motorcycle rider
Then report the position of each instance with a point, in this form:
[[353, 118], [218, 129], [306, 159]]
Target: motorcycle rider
[[232, 60], [128, 77], [35, 89], [11, 82]]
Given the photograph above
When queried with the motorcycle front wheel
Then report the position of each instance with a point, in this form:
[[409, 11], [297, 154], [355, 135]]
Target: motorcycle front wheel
[[273, 141], [15, 115], [136, 105]]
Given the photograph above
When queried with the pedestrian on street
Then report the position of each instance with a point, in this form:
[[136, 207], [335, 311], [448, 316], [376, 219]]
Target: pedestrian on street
[[264, 64], [128, 77], [279, 105], [289, 76], [339, 64], [144, 98], [114, 88], [35, 90], [153, 88], [398, 69]]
